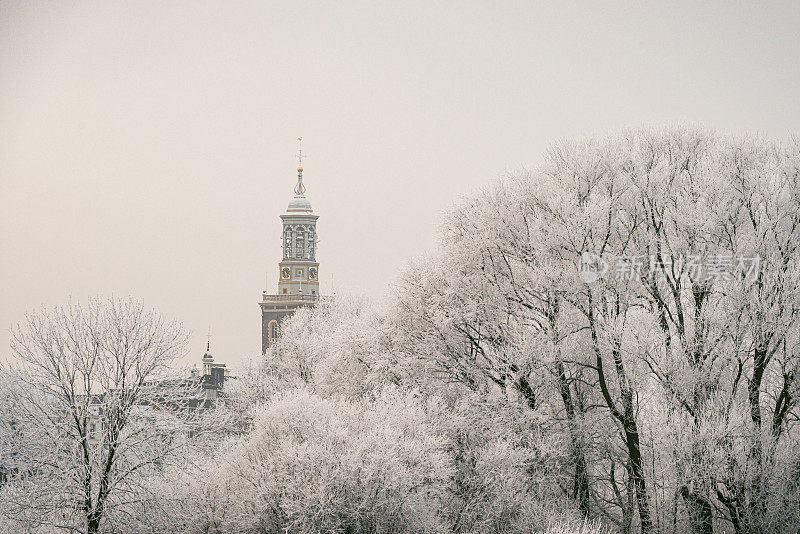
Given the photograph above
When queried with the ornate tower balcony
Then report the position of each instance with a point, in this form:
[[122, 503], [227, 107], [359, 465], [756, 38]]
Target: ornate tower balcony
[[283, 299]]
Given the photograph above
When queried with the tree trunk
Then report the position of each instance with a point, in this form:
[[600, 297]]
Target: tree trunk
[[580, 482], [524, 387], [637, 472], [700, 512], [757, 504], [631, 431], [92, 523], [627, 419]]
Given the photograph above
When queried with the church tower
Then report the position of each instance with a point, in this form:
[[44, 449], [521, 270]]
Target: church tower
[[298, 272]]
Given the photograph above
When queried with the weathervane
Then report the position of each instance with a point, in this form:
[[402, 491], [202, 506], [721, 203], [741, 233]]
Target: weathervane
[[208, 346], [300, 155], [300, 189]]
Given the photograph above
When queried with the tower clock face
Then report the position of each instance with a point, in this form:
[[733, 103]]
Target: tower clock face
[[286, 272], [312, 273]]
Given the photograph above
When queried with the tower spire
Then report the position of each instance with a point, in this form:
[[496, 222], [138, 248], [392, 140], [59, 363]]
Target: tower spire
[[300, 189]]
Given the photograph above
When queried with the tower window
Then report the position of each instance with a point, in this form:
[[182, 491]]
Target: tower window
[[273, 331], [284, 290]]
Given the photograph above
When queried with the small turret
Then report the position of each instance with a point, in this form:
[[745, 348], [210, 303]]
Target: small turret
[[208, 360]]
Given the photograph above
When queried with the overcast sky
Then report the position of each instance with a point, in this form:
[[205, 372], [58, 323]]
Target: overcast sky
[[148, 148]]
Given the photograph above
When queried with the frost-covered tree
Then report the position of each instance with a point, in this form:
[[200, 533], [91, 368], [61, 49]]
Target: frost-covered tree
[[495, 308], [335, 348], [697, 211], [692, 360], [504, 466], [90, 413], [313, 464]]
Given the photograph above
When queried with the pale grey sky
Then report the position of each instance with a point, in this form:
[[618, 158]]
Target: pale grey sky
[[148, 148]]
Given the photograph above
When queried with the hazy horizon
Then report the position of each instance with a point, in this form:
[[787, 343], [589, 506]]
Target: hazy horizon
[[149, 149]]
